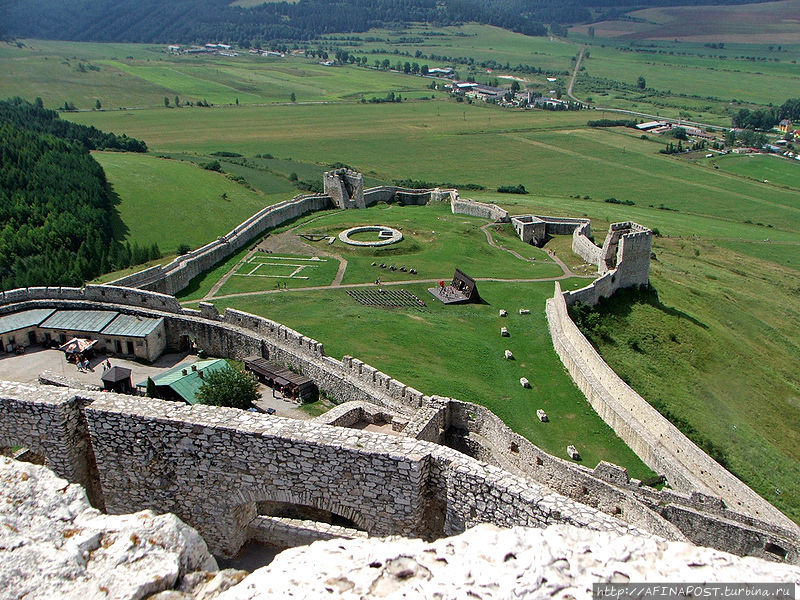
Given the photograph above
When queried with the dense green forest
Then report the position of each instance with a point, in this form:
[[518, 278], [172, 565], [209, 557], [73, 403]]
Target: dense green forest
[[186, 21], [34, 116], [56, 208]]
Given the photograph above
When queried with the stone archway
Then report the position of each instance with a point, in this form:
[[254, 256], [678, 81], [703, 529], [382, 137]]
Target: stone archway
[[244, 509]]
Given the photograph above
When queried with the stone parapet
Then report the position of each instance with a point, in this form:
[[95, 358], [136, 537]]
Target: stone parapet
[[654, 439]]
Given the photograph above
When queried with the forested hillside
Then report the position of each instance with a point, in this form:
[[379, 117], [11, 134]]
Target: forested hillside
[[186, 21], [56, 208]]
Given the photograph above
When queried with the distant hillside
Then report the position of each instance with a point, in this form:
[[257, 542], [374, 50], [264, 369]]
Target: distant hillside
[[185, 21]]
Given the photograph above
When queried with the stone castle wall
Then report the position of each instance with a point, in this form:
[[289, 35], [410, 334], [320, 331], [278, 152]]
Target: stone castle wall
[[390, 193], [345, 188], [238, 334], [652, 437], [623, 261], [478, 209], [583, 246], [212, 465], [534, 229], [173, 277]]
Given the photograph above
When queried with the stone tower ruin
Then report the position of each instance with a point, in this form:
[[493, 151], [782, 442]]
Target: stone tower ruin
[[627, 249], [345, 187]]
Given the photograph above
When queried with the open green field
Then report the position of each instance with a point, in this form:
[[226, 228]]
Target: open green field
[[130, 75], [767, 22], [432, 236], [172, 203], [457, 351], [777, 170], [552, 154], [267, 271]]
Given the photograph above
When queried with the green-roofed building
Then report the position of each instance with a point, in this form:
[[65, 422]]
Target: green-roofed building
[[22, 328], [183, 382], [120, 334]]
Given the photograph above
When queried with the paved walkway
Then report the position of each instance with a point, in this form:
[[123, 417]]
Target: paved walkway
[[25, 368]]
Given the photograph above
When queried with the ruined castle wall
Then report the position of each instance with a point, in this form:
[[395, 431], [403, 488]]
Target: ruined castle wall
[[48, 424], [479, 209], [563, 225], [288, 533], [655, 440], [602, 287], [345, 188], [203, 462], [173, 277], [633, 257], [479, 493], [583, 246], [390, 193], [601, 488], [623, 261], [212, 465], [529, 229]]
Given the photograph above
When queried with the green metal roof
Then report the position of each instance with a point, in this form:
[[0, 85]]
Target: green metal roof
[[26, 318], [80, 320], [132, 326], [187, 386]]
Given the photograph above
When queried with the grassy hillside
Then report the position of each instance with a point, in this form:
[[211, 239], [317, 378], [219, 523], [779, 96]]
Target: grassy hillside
[[172, 203], [718, 352]]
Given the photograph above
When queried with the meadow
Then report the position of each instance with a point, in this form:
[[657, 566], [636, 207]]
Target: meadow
[[760, 23], [775, 169], [457, 351], [541, 150], [171, 203]]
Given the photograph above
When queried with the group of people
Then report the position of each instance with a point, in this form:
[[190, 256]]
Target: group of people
[[83, 364]]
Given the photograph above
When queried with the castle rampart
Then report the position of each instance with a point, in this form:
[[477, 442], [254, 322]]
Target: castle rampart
[[623, 261], [654, 439], [175, 276], [478, 209], [212, 466], [345, 188], [534, 229], [239, 334]]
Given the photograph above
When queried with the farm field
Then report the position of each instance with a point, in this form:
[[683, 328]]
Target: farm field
[[768, 22], [130, 75], [710, 82], [683, 77], [540, 150], [776, 170]]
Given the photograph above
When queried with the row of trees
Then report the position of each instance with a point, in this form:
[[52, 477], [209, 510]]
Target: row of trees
[[766, 118], [56, 207], [154, 21]]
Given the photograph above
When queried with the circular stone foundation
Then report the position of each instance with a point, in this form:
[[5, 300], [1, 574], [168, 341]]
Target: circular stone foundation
[[386, 235]]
